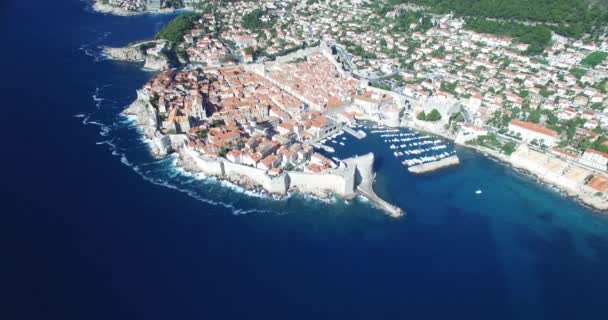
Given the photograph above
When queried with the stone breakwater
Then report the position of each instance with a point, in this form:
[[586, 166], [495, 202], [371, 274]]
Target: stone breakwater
[[353, 177], [435, 165], [568, 177]]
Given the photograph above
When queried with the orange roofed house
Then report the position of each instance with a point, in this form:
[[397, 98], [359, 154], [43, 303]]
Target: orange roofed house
[[598, 183], [321, 127], [530, 131]]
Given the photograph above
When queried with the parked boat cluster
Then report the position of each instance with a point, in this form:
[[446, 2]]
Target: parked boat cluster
[[416, 148]]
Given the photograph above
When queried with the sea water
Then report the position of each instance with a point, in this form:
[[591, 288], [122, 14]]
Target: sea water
[[106, 231]]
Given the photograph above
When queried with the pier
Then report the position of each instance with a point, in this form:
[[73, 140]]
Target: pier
[[357, 134], [434, 165], [390, 209], [324, 147], [364, 181]]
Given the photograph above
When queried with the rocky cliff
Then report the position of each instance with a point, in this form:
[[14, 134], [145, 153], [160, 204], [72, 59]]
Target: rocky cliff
[[154, 54], [125, 54], [147, 119]]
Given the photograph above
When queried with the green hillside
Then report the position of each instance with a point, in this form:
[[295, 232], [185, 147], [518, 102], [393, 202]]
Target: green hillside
[[567, 17]]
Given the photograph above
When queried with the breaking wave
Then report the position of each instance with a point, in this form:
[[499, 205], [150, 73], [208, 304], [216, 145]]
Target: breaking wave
[[124, 140], [94, 49]]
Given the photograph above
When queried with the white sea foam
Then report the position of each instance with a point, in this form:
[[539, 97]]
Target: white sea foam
[[93, 49], [99, 124], [251, 193], [191, 193], [362, 199], [312, 197], [167, 167], [108, 143], [105, 131], [128, 119], [99, 100]]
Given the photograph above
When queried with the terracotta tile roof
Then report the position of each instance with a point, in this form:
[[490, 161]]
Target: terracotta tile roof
[[599, 183], [534, 127], [564, 153]]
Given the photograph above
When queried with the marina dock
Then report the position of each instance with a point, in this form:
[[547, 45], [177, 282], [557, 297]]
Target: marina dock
[[434, 165], [356, 134]]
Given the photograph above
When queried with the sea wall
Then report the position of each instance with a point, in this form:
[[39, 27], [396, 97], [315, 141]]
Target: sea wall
[[199, 164], [567, 177], [551, 169], [321, 184], [250, 175], [340, 181]]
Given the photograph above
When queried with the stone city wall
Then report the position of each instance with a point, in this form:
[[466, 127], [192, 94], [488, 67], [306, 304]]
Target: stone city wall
[[340, 181]]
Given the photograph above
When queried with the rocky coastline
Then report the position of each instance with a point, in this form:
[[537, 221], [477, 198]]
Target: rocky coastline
[[101, 7], [163, 144], [155, 54], [341, 181], [579, 193]]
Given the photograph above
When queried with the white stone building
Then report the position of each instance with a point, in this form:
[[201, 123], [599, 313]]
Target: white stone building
[[595, 159], [529, 132]]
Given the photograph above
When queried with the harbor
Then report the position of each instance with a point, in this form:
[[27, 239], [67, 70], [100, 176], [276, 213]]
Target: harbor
[[416, 151]]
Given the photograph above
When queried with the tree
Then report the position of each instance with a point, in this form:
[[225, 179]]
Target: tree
[[178, 27], [253, 20], [597, 106], [534, 116], [508, 148], [594, 58], [202, 135], [598, 129], [578, 72], [439, 53], [537, 37], [217, 123], [432, 116]]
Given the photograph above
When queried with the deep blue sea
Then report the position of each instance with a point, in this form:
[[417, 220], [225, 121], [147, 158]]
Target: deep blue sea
[[98, 229]]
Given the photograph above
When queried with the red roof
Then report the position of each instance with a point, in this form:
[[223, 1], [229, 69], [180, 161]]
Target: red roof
[[564, 152], [599, 183], [534, 127]]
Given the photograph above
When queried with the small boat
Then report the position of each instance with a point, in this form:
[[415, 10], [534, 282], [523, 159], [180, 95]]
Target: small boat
[[478, 192]]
